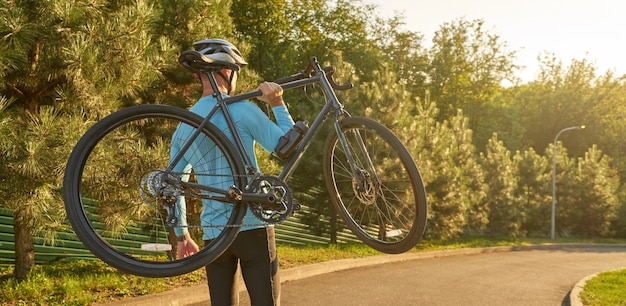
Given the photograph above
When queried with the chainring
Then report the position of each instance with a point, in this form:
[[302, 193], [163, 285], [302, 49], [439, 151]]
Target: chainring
[[271, 185]]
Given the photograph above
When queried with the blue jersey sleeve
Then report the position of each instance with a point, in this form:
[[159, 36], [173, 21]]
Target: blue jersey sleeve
[[265, 131]]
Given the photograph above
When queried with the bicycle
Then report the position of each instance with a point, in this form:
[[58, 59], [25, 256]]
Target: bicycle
[[120, 190]]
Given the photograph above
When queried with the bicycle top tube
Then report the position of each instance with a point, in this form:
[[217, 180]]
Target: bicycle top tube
[[300, 79]]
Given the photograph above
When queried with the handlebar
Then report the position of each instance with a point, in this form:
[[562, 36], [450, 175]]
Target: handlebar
[[308, 72], [296, 80]]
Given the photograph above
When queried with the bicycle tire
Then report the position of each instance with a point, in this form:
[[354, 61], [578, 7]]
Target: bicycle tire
[[384, 207], [107, 195]]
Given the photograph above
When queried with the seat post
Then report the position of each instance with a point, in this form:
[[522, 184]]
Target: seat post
[[213, 82]]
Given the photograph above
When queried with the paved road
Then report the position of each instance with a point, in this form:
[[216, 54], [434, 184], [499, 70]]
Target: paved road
[[531, 275], [525, 277]]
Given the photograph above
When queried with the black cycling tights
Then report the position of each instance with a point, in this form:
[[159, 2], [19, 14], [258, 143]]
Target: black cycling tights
[[255, 251]]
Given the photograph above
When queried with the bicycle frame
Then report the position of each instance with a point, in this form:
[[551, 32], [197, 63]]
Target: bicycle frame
[[122, 171], [332, 105]]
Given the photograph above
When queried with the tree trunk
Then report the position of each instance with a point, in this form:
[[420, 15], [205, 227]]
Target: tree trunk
[[31, 105], [24, 248]]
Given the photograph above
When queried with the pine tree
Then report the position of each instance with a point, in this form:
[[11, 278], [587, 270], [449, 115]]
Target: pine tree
[[442, 161], [502, 179], [596, 205], [64, 65], [534, 191], [33, 70]]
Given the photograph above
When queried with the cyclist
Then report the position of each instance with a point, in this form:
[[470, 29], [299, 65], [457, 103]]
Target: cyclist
[[254, 249]]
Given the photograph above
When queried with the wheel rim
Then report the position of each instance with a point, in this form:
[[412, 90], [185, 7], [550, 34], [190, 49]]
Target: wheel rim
[[117, 222]]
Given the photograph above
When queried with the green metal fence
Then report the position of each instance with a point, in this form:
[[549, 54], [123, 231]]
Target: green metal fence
[[67, 246]]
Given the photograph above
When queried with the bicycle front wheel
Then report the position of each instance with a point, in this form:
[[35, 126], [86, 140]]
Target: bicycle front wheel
[[123, 201], [375, 185]]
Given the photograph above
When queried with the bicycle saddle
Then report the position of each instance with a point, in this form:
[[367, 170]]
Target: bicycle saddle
[[198, 63]]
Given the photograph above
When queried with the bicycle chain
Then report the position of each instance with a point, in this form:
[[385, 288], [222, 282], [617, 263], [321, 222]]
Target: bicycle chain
[[260, 184]]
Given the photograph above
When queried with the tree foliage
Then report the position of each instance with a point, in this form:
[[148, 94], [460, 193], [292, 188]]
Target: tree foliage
[[534, 191], [72, 62], [594, 207], [467, 66], [65, 64], [502, 201], [34, 139]]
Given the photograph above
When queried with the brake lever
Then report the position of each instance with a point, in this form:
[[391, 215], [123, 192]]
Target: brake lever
[[336, 86], [330, 70]]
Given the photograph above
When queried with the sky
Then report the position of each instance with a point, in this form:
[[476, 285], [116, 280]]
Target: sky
[[593, 30]]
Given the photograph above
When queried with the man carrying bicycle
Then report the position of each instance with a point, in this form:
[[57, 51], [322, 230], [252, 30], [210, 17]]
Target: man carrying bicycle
[[254, 249]]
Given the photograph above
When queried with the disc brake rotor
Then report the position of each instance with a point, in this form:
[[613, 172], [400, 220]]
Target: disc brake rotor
[[364, 188]]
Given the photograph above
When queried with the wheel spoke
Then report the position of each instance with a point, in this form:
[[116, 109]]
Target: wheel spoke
[[381, 195], [120, 198]]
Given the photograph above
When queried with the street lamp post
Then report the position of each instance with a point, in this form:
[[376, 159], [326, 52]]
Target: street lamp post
[[552, 227]]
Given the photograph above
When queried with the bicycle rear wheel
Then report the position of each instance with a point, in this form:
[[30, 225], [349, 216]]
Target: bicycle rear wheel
[[115, 182], [383, 200]]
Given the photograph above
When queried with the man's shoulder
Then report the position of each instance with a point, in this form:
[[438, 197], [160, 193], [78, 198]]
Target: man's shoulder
[[203, 105], [244, 108]]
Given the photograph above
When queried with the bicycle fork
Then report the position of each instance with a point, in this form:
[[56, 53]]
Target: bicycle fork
[[365, 182]]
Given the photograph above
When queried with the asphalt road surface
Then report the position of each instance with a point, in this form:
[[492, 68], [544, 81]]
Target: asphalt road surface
[[525, 277]]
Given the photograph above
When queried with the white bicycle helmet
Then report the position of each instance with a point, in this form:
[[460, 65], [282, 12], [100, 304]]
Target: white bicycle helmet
[[220, 50]]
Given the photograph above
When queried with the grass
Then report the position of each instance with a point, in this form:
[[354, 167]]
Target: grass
[[82, 282], [89, 281], [607, 288]]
